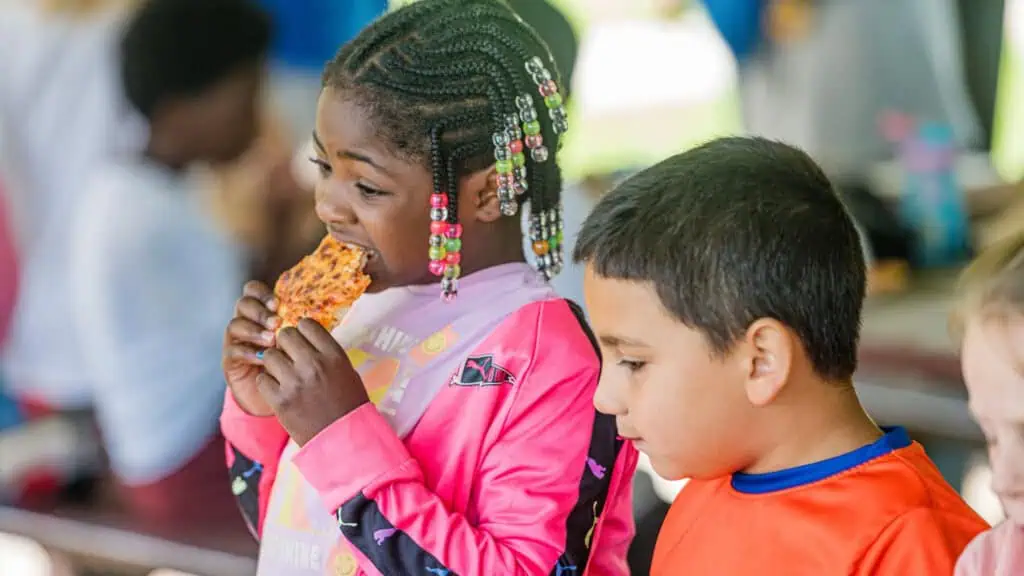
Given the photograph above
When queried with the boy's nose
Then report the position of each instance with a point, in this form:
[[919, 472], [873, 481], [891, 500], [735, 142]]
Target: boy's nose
[[609, 398]]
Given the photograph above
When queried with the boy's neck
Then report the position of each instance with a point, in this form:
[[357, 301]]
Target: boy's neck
[[826, 421]]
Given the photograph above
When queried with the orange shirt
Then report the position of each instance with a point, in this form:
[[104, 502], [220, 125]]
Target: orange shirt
[[882, 509]]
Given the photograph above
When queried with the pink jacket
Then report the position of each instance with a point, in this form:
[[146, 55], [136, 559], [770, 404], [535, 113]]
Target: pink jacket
[[495, 479]]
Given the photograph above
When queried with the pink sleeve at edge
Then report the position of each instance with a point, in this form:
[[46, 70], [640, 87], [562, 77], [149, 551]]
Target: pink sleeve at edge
[[253, 449]]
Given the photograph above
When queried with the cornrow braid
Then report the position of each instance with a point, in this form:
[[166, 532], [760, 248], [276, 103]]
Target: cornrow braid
[[457, 85]]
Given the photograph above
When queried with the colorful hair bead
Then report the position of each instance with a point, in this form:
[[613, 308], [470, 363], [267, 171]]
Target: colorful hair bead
[[443, 254], [505, 162], [546, 236], [548, 90], [437, 267], [437, 253], [449, 288], [553, 100], [503, 166]]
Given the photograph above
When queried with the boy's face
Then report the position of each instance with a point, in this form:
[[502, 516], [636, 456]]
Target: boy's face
[[993, 366], [682, 406]]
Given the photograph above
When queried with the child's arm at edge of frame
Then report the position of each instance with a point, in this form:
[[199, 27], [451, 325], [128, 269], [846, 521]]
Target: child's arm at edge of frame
[[253, 447]]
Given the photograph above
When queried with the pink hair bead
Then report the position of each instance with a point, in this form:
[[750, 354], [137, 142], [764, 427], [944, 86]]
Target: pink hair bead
[[438, 201], [534, 141], [437, 267], [454, 258], [505, 180], [454, 231], [438, 227], [516, 146], [547, 88]]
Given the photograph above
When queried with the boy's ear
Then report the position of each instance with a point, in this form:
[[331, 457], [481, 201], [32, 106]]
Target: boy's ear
[[479, 195], [771, 347]]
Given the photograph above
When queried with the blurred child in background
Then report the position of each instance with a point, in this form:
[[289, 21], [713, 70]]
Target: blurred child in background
[[154, 276], [992, 353]]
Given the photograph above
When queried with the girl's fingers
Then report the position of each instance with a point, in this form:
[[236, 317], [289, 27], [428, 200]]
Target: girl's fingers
[[261, 292], [245, 353], [252, 309], [245, 331]]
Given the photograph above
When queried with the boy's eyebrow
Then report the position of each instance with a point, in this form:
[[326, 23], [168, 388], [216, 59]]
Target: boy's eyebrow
[[350, 155], [612, 340]]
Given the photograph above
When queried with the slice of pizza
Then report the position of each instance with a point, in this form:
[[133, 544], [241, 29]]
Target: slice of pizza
[[323, 285]]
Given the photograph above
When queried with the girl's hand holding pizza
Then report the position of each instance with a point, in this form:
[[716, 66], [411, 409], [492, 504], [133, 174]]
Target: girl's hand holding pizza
[[248, 335], [309, 381]]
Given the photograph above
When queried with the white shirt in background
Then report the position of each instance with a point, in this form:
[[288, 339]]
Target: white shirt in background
[[155, 283], [61, 113]]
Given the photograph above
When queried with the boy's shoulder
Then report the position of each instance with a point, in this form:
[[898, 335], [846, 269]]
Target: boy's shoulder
[[869, 515]]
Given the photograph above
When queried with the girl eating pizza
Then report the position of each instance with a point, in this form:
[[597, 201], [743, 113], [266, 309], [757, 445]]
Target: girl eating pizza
[[445, 425]]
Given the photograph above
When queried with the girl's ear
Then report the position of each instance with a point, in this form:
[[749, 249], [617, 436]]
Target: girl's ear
[[479, 195]]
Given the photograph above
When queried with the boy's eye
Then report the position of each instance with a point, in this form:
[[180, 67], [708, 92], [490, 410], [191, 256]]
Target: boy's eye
[[632, 365], [323, 167]]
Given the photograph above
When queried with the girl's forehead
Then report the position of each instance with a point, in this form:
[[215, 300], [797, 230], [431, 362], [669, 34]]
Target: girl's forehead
[[346, 130], [342, 121]]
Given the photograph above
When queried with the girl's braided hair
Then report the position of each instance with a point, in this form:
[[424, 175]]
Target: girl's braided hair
[[451, 84]]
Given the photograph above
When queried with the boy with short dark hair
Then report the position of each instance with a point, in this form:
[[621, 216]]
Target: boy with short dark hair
[[725, 286]]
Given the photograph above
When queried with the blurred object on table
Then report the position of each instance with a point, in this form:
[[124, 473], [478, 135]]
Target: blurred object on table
[[932, 201], [888, 277]]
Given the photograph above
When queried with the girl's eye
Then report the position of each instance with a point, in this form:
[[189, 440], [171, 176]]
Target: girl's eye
[[632, 365], [369, 192], [323, 167]]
